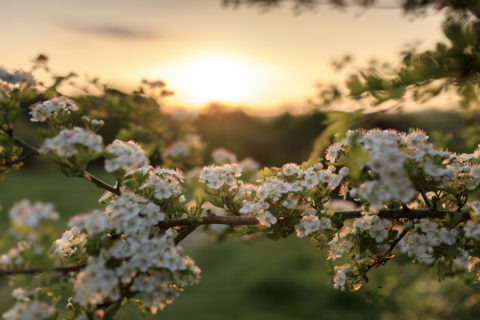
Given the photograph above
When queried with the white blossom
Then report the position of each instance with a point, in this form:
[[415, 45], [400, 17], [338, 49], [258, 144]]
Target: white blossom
[[30, 310], [24, 213], [308, 225], [42, 111], [222, 156], [96, 284], [16, 76], [340, 277], [66, 143], [125, 155], [215, 177], [267, 219]]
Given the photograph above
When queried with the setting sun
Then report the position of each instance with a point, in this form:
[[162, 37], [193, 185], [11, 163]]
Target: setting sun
[[219, 77]]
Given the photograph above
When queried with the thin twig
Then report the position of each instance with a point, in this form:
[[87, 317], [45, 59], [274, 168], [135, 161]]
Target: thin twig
[[185, 232], [425, 199], [18, 160], [84, 174]]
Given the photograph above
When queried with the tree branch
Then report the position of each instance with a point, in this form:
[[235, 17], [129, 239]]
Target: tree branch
[[252, 220], [185, 232], [84, 174]]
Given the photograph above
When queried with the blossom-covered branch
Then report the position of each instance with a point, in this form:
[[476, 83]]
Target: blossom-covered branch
[[83, 174]]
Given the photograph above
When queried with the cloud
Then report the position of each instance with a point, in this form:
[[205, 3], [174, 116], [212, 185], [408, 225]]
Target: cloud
[[113, 31]]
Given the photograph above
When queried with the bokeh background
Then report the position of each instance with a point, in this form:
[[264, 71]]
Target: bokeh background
[[252, 74]]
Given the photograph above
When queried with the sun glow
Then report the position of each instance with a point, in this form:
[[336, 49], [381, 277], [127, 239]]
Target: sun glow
[[220, 77]]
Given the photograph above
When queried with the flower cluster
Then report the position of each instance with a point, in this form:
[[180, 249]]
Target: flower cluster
[[376, 227], [35, 309], [147, 263], [96, 283], [15, 77], [24, 213], [42, 111], [183, 148], [163, 183], [15, 256], [222, 156], [72, 241], [94, 222], [215, 177], [421, 242], [386, 161], [128, 156], [311, 223], [68, 142], [340, 277]]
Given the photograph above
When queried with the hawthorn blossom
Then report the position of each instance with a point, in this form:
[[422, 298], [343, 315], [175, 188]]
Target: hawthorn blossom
[[340, 277], [96, 284], [253, 207], [24, 213], [42, 111], [125, 155], [72, 240], [67, 142], [94, 222], [472, 230], [266, 219], [222, 156], [332, 152], [30, 310], [184, 147], [165, 183], [308, 225], [249, 164], [215, 177], [375, 226], [16, 76]]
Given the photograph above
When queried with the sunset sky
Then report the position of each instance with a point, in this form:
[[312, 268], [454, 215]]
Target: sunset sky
[[204, 51]]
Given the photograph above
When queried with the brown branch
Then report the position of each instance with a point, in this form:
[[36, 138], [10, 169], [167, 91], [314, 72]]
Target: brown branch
[[396, 241], [209, 219], [251, 220], [98, 182], [387, 257], [402, 213], [31, 271], [18, 160], [185, 233], [84, 174]]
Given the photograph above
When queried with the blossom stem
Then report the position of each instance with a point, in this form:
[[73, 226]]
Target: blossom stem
[[425, 199], [83, 174]]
